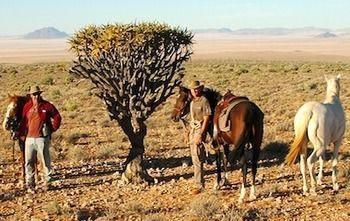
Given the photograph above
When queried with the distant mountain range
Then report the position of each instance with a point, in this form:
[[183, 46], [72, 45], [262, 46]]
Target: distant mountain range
[[52, 33], [46, 33], [306, 31], [326, 35]]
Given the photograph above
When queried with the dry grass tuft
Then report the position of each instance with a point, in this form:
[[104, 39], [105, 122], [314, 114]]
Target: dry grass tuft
[[105, 152], [76, 154], [155, 217], [135, 207], [88, 214], [74, 137], [53, 208], [71, 105], [204, 206], [234, 214]]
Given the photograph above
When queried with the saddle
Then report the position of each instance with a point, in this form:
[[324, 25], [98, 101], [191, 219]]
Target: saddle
[[223, 123]]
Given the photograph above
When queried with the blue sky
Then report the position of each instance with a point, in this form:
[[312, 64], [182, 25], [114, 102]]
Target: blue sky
[[22, 16]]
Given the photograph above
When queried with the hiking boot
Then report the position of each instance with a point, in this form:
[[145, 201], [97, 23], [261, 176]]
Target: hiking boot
[[51, 179], [48, 184]]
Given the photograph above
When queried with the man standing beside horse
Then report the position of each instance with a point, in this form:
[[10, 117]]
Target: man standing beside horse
[[40, 119], [200, 113]]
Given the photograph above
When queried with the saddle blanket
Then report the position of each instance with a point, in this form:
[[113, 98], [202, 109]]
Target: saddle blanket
[[224, 123]]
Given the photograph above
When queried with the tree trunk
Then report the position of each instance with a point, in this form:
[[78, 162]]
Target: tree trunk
[[135, 171]]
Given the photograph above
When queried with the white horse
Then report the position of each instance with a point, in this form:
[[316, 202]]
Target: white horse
[[321, 124]]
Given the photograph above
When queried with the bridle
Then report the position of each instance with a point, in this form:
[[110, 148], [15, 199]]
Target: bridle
[[14, 127], [13, 124], [182, 109]]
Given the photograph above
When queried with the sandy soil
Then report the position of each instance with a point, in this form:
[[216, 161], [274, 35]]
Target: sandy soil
[[89, 149], [15, 50], [269, 48]]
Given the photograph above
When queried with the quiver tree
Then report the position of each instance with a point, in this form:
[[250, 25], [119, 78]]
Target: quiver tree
[[134, 68]]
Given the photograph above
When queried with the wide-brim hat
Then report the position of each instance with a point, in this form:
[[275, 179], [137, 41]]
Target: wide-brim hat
[[35, 89], [195, 84]]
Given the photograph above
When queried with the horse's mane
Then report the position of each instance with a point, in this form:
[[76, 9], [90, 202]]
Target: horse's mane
[[19, 100], [212, 96]]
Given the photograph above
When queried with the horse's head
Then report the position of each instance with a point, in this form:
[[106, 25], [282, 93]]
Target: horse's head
[[333, 85], [182, 104], [10, 112], [13, 112]]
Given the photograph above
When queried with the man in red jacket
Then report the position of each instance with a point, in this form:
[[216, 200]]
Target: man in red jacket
[[40, 119]]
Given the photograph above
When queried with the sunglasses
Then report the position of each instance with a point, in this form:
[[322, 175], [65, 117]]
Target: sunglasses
[[36, 94]]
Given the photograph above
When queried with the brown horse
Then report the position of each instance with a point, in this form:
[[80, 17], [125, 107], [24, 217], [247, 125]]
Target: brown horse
[[12, 120], [245, 131]]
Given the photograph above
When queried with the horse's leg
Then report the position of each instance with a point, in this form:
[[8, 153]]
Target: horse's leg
[[186, 132], [225, 163], [243, 162], [218, 169], [303, 169], [320, 173], [23, 166], [334, 165], [311, 162], [21, 147], [256, 153], [256, 140]]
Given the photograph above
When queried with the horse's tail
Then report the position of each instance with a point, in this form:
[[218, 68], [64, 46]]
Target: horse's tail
[[300, 126]]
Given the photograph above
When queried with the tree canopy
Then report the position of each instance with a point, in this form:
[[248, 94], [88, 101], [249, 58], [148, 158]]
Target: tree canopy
[[134, 67]]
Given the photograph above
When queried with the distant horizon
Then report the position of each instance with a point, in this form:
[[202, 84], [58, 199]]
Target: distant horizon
[[197, 29], [18, 17]]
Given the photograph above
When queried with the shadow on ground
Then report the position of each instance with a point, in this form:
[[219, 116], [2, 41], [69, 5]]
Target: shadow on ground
[[273, 153]]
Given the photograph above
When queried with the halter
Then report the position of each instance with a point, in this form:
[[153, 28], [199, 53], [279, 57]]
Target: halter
[[182, 109], [13, 124]]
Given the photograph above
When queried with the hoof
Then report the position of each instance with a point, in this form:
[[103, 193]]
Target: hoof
[[336, 187], [322, 186], [224, 182], [305, 192], [216, 187], [313, 192], [252, 197]]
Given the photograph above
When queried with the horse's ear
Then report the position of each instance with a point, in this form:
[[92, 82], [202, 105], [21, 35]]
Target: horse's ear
[[228, 92]]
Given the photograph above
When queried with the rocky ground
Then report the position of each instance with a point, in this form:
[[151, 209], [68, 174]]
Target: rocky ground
[[93, 190], [88, 152]]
